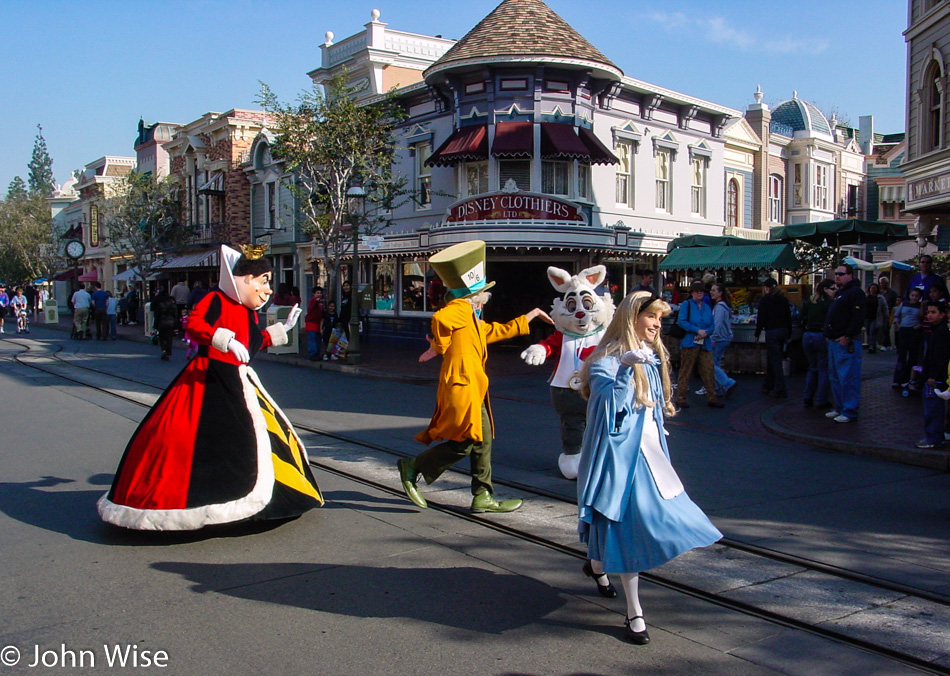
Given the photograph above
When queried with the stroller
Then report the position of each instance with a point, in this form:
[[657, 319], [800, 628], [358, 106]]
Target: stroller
[[22, 321]]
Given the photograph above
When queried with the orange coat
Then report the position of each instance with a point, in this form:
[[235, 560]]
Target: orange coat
[[462, 340]]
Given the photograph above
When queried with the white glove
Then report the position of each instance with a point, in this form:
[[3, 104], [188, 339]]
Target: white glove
[[239, 351], [945, 394], [642, 356], [292, 318], [534, 355]]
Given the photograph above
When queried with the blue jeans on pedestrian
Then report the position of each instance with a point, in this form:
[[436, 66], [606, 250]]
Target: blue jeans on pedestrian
[[815, 347], [314, 343], [723, 382], [774, 348], [935, 413], [844, 372], [870, 328], [112, 327]]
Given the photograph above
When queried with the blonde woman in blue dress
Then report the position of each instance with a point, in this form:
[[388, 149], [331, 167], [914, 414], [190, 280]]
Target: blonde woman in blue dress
[[634, 514]]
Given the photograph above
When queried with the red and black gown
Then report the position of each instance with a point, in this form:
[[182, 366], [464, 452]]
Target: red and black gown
[[215, 448]]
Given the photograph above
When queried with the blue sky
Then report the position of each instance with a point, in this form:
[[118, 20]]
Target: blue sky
[[87, 71]]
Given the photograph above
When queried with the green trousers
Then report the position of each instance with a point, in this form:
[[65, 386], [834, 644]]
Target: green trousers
[[432, 462]]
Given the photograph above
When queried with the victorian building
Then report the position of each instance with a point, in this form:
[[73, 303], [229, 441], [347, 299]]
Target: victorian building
[[524, 135], [927, 156], [208, 158], [96, 260]]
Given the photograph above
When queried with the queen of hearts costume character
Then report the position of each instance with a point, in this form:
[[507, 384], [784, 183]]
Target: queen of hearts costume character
[[580, 317], [215, 448], [633, 511]]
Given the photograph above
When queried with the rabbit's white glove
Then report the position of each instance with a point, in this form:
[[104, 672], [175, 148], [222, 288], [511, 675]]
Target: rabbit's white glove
[[534, 355]]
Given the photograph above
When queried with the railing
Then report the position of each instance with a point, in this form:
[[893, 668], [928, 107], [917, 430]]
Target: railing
[[211, 232]]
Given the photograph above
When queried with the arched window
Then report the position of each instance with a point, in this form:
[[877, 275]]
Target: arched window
[[776, 193], [732, 204], [931, 133]]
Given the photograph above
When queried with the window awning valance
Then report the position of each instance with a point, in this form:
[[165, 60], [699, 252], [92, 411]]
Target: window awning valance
[[214, 186], [560, 142], [892, 193], [599, 153], [513, 139], [467, 144], [769, 256], [516, 140]]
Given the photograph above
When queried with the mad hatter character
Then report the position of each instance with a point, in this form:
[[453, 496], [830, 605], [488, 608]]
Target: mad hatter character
[[462, 419], [215, 448]]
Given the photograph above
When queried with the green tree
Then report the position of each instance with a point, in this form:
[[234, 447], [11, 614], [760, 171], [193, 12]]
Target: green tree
[[41, 167], [16, 189], [142, 217], [28, 246], [814, 258], [329, 143]]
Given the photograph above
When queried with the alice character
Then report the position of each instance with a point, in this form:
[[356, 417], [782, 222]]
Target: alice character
[[215, 448], [633, 512]]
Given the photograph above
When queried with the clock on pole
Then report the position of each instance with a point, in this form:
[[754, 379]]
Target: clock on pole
[[75, 249]]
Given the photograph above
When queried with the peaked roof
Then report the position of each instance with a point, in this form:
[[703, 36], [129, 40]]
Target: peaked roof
[[522, 29]]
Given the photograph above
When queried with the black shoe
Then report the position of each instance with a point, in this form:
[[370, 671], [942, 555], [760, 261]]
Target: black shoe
[[715, 404], [808, 403], [637, 637], [682, 404], [607, 590]]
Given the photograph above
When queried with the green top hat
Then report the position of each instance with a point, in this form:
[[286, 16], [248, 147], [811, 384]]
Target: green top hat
[[461, 268]]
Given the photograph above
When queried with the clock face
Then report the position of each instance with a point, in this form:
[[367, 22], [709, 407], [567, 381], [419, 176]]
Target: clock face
[[75, 249]]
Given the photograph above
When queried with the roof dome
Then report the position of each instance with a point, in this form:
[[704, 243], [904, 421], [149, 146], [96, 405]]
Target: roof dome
[[801, 116], [524, 31]]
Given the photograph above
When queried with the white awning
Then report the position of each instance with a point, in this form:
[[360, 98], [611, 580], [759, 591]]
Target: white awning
[[207, 258], [892, 193], [215, 186]]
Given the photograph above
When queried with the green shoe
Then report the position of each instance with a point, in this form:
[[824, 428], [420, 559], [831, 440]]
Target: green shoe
[[408, 476], [486, 502]]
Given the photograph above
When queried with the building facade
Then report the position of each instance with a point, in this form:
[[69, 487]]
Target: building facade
[[926, 162], [97, 261], [526, 136], [208, 158]]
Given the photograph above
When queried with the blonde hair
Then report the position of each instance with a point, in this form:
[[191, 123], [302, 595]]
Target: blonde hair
[[621, 336]]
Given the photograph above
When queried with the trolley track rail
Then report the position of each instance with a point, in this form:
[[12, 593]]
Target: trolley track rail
[[779, 619]]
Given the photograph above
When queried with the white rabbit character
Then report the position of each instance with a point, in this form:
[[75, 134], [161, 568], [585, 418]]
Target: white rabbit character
[[580, 317]]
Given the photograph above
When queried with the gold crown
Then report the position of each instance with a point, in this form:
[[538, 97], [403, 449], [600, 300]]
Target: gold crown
[[252, 252]]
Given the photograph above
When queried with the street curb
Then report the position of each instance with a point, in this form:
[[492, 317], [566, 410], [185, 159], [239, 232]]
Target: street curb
[[939, 460]]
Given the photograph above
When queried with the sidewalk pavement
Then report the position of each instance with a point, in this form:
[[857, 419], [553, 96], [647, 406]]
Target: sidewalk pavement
[[887, 427]]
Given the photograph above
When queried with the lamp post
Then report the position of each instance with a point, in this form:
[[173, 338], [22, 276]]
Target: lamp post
[[355, 199]]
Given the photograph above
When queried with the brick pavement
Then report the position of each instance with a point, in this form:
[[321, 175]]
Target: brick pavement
[[887, 427]]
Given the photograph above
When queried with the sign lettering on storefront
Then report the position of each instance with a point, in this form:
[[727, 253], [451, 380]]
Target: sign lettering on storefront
[[514, 206], [94, 226], [928, 187]]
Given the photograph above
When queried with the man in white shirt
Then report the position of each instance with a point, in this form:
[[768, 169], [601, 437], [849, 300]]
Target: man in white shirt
[[81, 302]]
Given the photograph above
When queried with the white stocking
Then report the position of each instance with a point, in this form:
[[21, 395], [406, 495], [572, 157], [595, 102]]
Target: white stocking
[[599, 576], [631, 587]]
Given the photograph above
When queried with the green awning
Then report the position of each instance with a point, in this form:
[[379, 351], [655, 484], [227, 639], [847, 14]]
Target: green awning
[[771, 256], [710, 240], [840, 232]]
